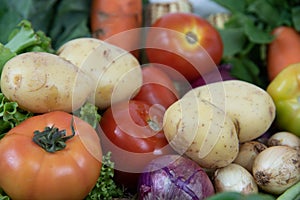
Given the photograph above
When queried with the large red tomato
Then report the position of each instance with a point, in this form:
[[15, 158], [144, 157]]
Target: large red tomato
[[185, 42], [49, 157], [157, 88], [132, 131]]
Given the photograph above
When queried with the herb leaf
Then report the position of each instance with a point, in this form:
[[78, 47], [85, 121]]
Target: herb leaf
[[234, 40], [232, 5], [255, 34], [105, 187], [296, 17], [248, 32]]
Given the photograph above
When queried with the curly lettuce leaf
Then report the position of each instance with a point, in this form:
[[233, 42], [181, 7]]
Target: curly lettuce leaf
[[10, 115], [89, 113], [24, 39], [105, 187]]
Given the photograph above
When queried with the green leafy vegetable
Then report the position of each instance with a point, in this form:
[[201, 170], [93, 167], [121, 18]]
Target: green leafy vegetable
[[61, 20], [5, 55], [39, 13], [10, 115], [105, 188], [89, 113], [248, 31], [3, 196], [71, 21], [23, 39]]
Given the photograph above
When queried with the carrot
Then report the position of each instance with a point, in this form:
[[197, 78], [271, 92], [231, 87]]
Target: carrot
[[117, 22], [283, 50]]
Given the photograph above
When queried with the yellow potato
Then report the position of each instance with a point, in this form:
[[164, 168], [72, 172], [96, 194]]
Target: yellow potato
[[250, 107], [42, 82], [116, 73], [201, 131]]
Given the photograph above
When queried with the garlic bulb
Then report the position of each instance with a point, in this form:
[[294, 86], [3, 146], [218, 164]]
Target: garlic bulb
[[284, 138], [234, 177], [276, 169], [248, 152]]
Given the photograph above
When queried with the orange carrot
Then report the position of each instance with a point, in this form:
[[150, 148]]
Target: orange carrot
[[283, 50], [117, 22]]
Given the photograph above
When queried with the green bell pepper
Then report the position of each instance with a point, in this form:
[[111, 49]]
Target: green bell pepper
[[285, 91]]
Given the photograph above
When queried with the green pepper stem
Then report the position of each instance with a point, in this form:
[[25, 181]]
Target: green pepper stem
[[52, 139]]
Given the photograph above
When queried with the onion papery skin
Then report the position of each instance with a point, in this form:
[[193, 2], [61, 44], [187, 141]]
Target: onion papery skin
[[235, 178], [174, 177], [277, 168]]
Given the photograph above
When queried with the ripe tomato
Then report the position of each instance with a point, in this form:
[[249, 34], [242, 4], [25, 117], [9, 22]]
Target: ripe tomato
[[132, 131], [185, 42], [30, 172], [157, 88]]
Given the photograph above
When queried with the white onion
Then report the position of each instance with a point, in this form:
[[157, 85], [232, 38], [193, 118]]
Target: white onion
[[248, 152], [234, 177], [277, 168], [284, 138]]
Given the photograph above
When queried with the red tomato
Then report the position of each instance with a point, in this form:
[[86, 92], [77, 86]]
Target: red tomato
[[157, 88], [185, 42], [28, 171], [132, 131]]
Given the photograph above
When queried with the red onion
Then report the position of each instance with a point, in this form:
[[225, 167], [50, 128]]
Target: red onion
[[174, 177], [222, 74]]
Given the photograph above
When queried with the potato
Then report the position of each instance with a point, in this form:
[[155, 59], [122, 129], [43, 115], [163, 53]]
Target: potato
[[250, 107], [116, 73], [201, 131], [42, 82]]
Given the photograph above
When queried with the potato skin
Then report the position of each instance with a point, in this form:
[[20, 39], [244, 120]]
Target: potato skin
[[41, 82], [201, 131], [116, 73], [250, 107]]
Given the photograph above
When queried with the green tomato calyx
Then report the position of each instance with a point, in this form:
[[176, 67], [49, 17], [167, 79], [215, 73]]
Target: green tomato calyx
[[52, 139]]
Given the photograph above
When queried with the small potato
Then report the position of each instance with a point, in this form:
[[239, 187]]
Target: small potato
[[250, 107], [116, 73], [42, 82], [201, 131]]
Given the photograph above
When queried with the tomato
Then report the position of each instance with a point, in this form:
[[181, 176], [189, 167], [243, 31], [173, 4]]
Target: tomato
[[132, 131], [157, 88], [29, 171], [185, 42]]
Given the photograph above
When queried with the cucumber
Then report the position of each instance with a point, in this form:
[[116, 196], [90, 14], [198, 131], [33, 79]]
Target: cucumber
[[240, 196], [292, 193]]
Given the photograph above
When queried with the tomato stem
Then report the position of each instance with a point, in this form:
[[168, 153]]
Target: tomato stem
[[191, 37], [52, 139], [154, 125]]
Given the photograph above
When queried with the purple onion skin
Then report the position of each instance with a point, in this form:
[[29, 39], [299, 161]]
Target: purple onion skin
[[222, 74], [271, 131], [173, 177]]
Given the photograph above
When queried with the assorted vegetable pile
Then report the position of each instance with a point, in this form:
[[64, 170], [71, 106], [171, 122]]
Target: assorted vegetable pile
[[190, 107]]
